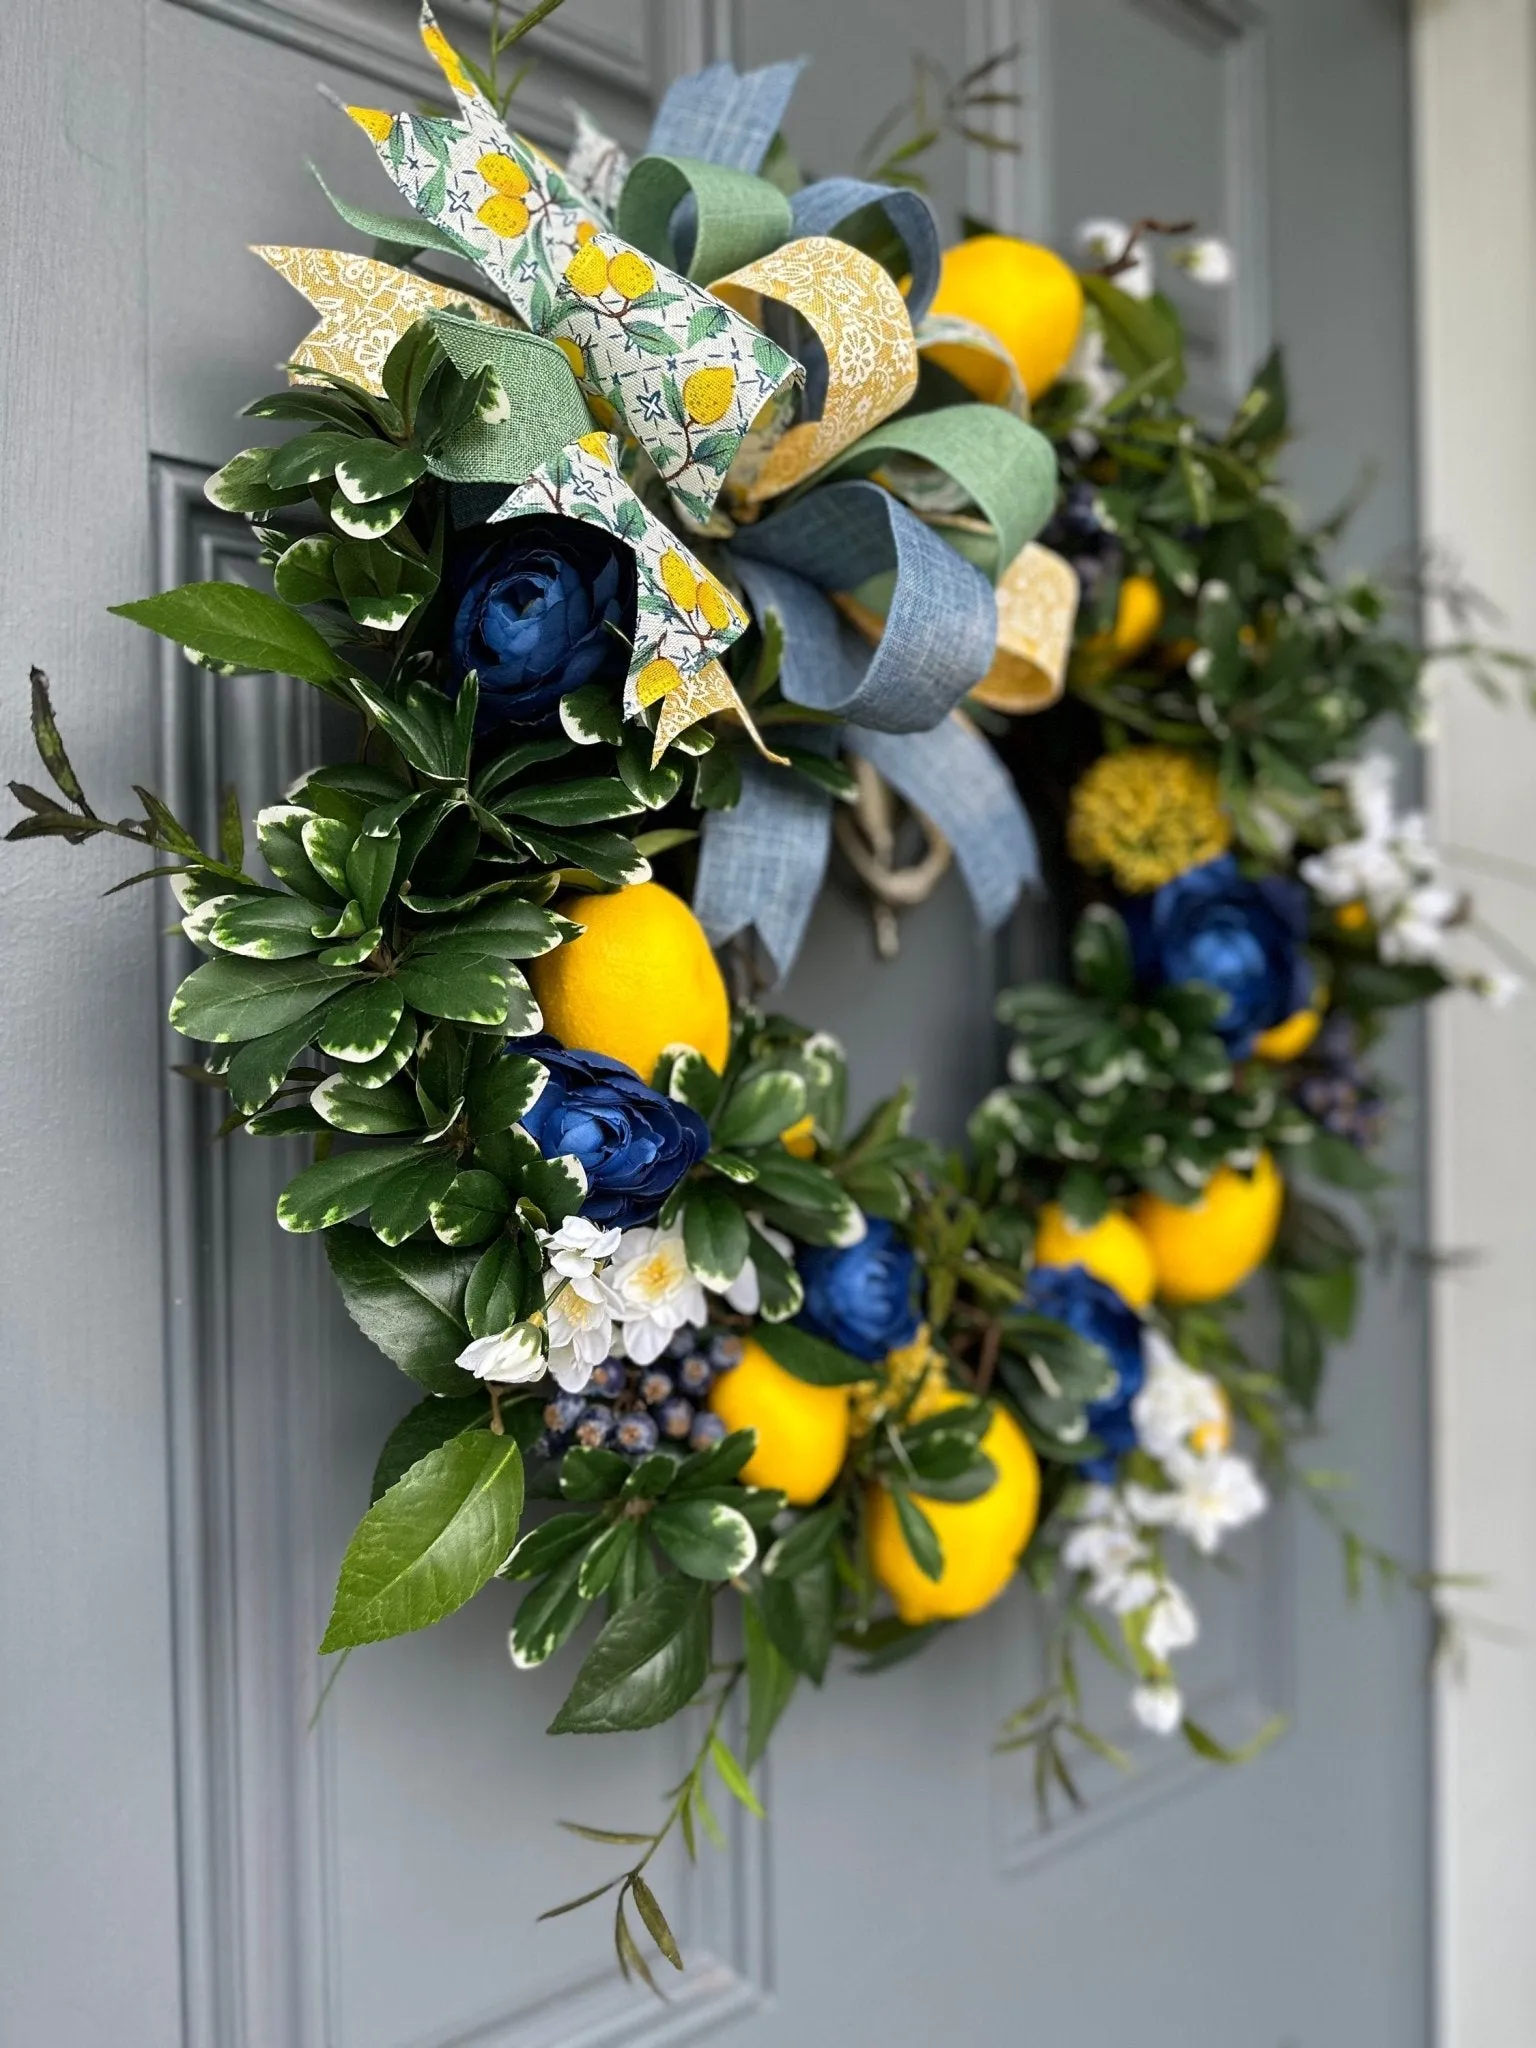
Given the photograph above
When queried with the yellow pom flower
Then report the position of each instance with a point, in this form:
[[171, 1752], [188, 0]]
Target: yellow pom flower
[[504, 174], [1147, 814], [448, 57], [657, 678], [681, 584], [504, 216], [572, 354], [373, 121], [1352, 917], [587, 271], [708, 393], [913, 1373], [630, 275]]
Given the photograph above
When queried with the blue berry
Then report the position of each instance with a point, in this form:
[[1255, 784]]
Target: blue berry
[[563, 1413], [635, 1435], [608, 1380], [695, 1374], [724, 1352], [554, 1443], [594, 1428], [707, 1431], [682, 1342], [675, 1417], [655, 1386]]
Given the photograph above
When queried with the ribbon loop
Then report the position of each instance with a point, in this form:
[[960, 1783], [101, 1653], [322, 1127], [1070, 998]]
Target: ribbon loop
[[722, 116], [546, 410], [734, 217], [895, 226]]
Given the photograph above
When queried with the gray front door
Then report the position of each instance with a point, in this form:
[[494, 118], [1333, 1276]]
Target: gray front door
[[190, 1429]]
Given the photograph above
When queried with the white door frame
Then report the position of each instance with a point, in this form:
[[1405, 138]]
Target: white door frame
[[1475, 104]]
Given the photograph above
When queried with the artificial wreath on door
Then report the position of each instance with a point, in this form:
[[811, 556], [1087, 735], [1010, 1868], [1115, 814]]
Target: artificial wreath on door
[[641, 517]]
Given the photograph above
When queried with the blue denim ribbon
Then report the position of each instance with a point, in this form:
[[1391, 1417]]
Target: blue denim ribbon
[[762, 864], [724, 116], [827, 207]]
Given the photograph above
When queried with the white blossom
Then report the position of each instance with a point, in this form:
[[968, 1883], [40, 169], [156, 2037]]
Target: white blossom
[[1175, 1401], [578, 1247], [1103, 241], [1496, 988], [1391, 866], [651, 1291], [1171, 1623], [580, 1323], [511, 1360], [1208, 260], [1210, 1496], [1158, 1707]]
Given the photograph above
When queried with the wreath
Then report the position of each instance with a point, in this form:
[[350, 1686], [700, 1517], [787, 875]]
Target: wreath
[[697, 504]]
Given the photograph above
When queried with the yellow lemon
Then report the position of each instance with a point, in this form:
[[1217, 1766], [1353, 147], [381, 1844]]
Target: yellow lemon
[[1138, 614], [504, 216], [630, 275], [587, 271], [981, 1539], [682, 586], [802, 1431], [1290, 1039], [1210, 1248], [640, 978], [1113, 1250], [800, 1139], [1022, 293], [707, 393]]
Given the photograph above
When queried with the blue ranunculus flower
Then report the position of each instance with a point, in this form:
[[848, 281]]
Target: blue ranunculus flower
[[861, 1296], [1078, 1298], [541, 607], [1240, 937], [636, 1145]]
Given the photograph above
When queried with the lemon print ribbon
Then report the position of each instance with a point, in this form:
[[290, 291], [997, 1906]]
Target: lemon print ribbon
[[681, 373]]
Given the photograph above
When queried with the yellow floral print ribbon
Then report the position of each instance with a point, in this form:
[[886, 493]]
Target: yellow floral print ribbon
[[1036, 610], [364, 307]]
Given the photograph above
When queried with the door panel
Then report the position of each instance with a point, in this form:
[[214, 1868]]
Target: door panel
[[371, 1881]]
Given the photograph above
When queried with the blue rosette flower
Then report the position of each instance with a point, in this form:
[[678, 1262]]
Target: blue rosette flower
[[541, 607], [862, 1297], [1076, 1297], [635, 1145], [1243, 938]]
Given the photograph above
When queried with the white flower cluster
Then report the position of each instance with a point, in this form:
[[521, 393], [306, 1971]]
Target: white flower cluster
[[608, 1294], [1182, 1423], [1391, 866]]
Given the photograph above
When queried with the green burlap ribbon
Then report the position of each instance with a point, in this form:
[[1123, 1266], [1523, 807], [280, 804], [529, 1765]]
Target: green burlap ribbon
[[736, 217], [545, 408]]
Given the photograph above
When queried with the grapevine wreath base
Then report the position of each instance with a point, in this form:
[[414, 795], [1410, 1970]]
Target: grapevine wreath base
[[644, 515]]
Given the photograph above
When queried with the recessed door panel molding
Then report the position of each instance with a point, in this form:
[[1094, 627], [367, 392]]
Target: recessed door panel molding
[[1010, 188], [297, 1827], [629, 47]]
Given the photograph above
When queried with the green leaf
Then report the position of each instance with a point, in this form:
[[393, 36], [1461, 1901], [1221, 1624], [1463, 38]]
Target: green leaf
[[406, 1299], [1101, 954], [371, 521], [335, 1189], [771, 1681], [593, 1475], [593, 715], [232, 1000], [257, 1069], [733, 1777], [373, 469], [703, 1538], [781, 1292], [366, 1112], [591, 800], [265, 928], [551, 1543], [243, 629], [799, 1613], [655, 1920], [452, 981], [813, 1359], [714, 1235], [760, 1109], [280, 836], [426, 1427], [305, 573], [647, 1664], [690, 1079], [403, 1204], [605, 1558], [504, 1287], [360, 1025], [474, 1207], [1214, 1752], [245, 484], [918, 1534], [808, 1543], [370, 868], [431, 1542], [550, 1614], [717, 1467], [503, 1093], [1141, 335], [308, 457]]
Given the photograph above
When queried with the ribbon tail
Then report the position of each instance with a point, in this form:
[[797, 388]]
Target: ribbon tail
[[953, 777], [722, 116], [761, 864]]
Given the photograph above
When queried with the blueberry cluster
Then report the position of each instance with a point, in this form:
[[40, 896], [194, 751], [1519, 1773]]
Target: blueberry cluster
[[1335, 1089], [1077, 532], [634, 1408]]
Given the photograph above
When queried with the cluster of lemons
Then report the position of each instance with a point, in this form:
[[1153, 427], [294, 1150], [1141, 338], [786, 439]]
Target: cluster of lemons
[[642, 977]]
